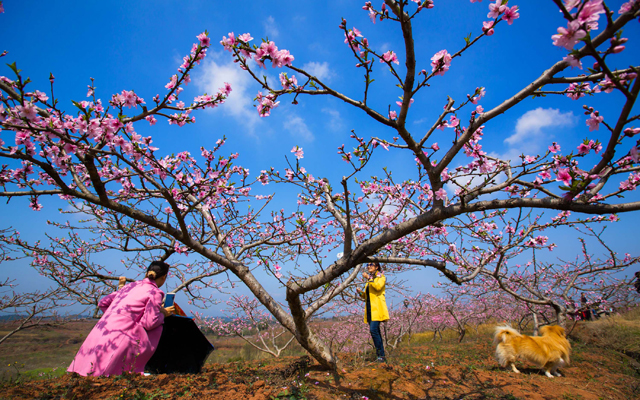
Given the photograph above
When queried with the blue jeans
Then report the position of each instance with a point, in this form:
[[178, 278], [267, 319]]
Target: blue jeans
[[374, 328]]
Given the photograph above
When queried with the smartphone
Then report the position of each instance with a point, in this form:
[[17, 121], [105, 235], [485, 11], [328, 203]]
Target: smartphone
[[168, 300]]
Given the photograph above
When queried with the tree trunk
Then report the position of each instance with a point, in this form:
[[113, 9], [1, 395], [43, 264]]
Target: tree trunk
[[461, 335], [307, 339], [561, 315], [536, 326]]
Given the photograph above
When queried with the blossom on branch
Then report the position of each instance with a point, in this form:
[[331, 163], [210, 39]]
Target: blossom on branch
[[593, 122], [440, 62], [568, 37]]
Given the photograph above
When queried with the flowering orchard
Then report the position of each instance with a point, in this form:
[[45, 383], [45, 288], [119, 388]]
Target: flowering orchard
[[245, 319], [463, 212]]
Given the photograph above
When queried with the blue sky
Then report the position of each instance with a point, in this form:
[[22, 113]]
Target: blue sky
[[137, 45]]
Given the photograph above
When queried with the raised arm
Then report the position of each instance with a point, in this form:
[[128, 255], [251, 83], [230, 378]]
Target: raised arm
[[153, 316]]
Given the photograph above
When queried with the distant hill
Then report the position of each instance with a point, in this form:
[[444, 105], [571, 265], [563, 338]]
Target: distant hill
[[14, 317], [10, 317]]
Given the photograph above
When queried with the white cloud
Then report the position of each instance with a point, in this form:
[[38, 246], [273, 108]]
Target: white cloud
[[335, 120], [533, 132], [298, 128], [530, 128], [383, 47], [270, 28], [214, 73], [319, 70], [532, 135]]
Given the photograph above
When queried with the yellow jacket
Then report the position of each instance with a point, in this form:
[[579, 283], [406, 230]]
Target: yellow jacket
[[379, 311]]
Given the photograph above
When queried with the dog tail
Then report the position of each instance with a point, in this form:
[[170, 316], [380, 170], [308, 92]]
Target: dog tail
[[503, 333]]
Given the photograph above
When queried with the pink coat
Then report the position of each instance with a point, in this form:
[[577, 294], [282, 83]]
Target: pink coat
[[126, 336]]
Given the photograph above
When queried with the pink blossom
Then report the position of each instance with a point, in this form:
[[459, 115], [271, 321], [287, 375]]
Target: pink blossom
[[628, 6], [28, 111], [245, 37], [289, 174], [350, 37], [390, 56], [598, 148], [618, 49], [70, 148], [572, 61], [563, 176], [278, 274], [172, 83], [435, 147], [594, 122], [627, 185], [607, 85], [267, 49], [440, 62], [393, 115], [33, 203], [22, 137], [399, 103], [570, 4], [590, 13], [263, 178], [554, 148], [584, 148], [631, 131], [441, 194], [479, 109], [634, 154], [537, 241], [487, 27], [288, 83], [496, 9], [298, 152], [545, 174], [40, 96], [266, 104], [511, 14], [282, 58], [151, 119], [577, 90], [569, 36], [478, 94], [204, 39], [228, 43]]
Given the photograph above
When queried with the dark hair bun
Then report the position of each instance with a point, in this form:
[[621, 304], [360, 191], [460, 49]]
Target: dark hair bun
[[157, 269]]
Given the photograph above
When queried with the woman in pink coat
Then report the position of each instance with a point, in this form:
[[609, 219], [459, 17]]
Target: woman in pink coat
[[128, 333]]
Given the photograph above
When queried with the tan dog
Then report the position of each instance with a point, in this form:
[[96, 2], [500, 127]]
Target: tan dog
[[549, 351]]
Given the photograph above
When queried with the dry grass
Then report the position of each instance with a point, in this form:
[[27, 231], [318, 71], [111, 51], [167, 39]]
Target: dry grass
[[619, 332]]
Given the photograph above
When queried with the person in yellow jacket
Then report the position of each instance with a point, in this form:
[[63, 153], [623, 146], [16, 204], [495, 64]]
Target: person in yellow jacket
[[376, 306]]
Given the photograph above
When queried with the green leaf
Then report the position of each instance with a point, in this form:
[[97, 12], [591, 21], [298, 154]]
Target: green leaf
[[467, 39], [14, 68], [75, 103]]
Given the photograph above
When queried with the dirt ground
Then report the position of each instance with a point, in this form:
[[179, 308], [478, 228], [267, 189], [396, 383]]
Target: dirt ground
[[594, 376], [419, 370]]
